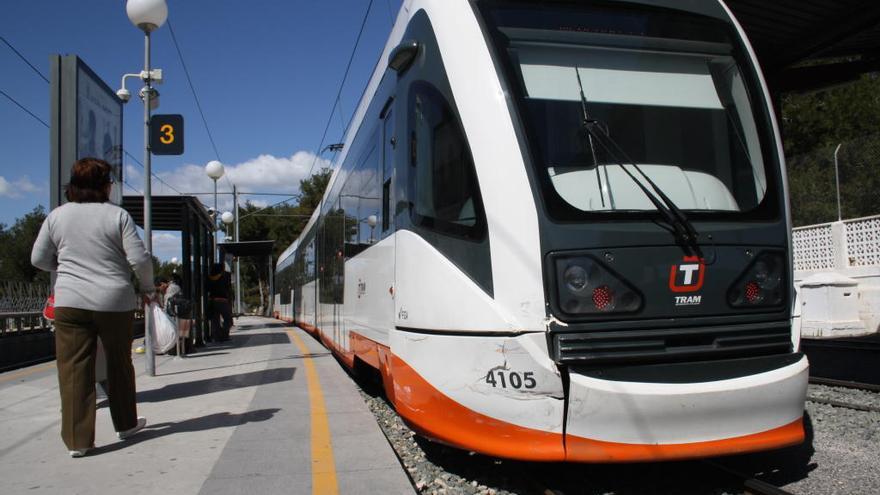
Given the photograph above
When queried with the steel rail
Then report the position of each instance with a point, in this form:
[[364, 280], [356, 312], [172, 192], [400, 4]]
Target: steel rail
[[751, 484], [871, 387]]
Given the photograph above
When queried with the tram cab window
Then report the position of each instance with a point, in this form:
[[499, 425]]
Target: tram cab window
[[443, 185], [673, 93]]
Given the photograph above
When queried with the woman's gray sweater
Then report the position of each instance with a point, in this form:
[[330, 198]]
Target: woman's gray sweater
[[93, 248]]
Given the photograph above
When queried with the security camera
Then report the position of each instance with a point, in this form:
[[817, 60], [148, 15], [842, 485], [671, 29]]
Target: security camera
[[211, 211], [124, 95]]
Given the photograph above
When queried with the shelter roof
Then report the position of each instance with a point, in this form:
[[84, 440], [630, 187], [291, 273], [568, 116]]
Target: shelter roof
[[789, 32], [167, 211], [248, 248]]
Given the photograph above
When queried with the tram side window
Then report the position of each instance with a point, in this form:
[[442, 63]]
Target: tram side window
[[443, 188]]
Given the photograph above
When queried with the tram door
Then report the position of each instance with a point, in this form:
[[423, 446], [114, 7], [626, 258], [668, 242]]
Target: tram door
[[385, 318]]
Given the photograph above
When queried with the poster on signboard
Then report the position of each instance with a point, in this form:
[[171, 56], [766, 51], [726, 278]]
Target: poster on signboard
[[99, 124]]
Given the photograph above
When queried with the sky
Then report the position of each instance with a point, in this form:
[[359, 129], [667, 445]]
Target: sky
[[265, 72]]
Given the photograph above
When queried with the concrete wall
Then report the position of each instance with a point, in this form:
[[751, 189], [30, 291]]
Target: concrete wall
[[850, 249]]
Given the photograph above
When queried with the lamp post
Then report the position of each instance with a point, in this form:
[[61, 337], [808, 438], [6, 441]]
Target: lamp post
[[837, 182], [215, 171], [237, 261], [148, 16]]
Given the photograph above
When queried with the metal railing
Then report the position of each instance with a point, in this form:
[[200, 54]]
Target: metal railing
[[15, 323], [22, 297]]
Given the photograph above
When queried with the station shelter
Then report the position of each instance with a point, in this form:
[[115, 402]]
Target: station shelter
[[187, 215]]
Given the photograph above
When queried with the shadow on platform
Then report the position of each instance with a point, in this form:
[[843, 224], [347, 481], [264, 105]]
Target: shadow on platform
[[266, 326], [219, 384], [209, 422], [238, 341]]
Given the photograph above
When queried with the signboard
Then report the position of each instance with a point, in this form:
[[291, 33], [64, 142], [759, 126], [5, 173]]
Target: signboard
[[86, 122], [166, 134]]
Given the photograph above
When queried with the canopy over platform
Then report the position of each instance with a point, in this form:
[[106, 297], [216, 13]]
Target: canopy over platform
[[786, 33], [248, 248], [169, 212]]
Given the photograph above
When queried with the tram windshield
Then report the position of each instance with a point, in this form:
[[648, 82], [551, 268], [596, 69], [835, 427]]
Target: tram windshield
[[666, 89]]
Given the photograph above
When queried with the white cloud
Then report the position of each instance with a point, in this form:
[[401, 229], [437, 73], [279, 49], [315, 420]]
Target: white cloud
[[16, 188], [166, 245], [264, 174]]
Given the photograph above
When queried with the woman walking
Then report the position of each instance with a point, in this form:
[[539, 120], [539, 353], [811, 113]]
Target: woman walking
[[92, 245]]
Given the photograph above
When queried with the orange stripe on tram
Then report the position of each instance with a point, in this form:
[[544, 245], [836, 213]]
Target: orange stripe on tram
[[587, 450]]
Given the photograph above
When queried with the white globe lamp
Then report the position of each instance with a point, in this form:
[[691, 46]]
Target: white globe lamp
[[147, 15], [227, 217], [214, 169]]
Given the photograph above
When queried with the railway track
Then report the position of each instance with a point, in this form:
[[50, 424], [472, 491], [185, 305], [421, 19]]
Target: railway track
[[750, 484], [845, 362], [871, 387]]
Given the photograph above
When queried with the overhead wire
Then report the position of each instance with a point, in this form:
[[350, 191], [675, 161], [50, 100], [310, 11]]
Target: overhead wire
[[13, 100], [295, 196], [390, 12], [336, 102], [152, 173], [341, 86], [196, 97], [24, 59], [38, 119]]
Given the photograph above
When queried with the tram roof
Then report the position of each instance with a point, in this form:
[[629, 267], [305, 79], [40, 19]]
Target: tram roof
[[788, 33]]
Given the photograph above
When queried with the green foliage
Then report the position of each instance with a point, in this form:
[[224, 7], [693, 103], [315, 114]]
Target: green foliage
[[17, 242], [164, 269], [283, 224], [813, 125]]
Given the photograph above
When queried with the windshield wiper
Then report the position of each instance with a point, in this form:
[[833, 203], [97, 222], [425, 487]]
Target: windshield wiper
[[682, 227]]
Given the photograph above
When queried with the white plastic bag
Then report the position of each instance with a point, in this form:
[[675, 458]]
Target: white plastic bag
[[164, 331]]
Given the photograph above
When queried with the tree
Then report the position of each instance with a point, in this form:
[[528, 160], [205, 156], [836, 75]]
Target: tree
[[813, 125], [281, 223], [17, 242]]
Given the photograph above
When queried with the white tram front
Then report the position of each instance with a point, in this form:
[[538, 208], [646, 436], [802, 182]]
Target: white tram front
[[560, 232]]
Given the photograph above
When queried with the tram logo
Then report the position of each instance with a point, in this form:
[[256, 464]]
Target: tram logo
[[687, 276]]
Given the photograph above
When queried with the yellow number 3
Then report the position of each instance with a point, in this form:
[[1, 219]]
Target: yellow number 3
[[167, 131]]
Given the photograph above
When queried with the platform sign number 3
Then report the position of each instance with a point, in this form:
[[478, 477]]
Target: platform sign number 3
[[166, 134]]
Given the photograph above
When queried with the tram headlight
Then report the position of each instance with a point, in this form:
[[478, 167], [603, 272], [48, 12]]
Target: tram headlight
[[575, 278], [760, 285], [586, 287]]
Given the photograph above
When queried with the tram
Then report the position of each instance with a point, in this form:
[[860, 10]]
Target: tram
[[560, 231]]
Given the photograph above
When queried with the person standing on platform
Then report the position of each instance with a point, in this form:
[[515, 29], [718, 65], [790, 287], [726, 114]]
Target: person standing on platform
[[219, 288], [180, 307], [92, 246]]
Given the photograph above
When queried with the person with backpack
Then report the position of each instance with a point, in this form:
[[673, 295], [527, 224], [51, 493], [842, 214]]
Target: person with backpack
[[177, 305]]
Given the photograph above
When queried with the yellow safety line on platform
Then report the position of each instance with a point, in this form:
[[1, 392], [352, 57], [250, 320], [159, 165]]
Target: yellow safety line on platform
[[323, 466], [23, 373]]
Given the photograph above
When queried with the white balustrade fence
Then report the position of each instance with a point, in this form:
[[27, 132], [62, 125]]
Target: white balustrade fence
[[839, 246], [863, 241]]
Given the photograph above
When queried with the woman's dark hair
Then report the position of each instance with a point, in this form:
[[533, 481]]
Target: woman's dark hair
[[88, 181], [217, 268]]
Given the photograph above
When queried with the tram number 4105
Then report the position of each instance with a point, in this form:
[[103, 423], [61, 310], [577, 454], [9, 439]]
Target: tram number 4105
[[513, 379]]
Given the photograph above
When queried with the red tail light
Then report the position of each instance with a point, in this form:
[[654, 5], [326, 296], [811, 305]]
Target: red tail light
[[753, 293], [761, 284], [603, 298]]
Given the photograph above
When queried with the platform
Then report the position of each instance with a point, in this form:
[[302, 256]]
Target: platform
[[269, 412]]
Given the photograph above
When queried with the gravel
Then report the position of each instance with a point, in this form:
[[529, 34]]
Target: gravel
[[841, 456]]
